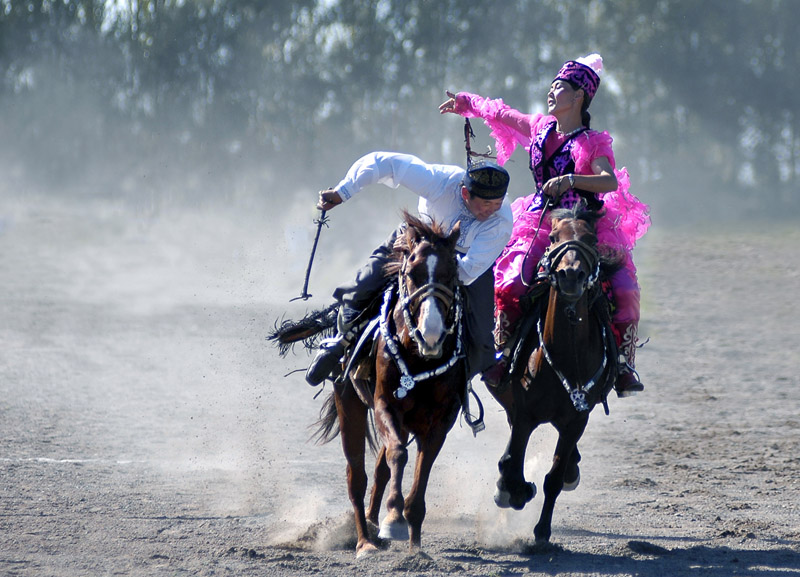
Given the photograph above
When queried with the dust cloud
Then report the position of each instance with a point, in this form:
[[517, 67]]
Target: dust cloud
[[138, 382], [159, 322]]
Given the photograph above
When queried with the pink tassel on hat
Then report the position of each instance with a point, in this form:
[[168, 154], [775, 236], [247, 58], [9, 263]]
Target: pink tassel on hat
[[593, 61]]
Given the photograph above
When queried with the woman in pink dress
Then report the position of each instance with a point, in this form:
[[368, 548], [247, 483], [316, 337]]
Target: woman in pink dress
[[569, 161]]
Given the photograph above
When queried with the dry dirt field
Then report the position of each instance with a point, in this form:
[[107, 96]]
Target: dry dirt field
[[147, 428]]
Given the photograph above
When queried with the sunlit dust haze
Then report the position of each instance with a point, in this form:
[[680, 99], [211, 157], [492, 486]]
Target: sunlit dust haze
[[157, 215]]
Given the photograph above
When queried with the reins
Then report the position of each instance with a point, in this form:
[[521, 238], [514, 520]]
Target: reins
[[546, 206]]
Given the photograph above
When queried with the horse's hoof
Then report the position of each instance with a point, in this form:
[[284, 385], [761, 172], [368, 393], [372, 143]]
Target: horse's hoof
[[366, 550], [572, 485], [542, 532], [394, 530], [543, 547], [532, 493], [502, 498]]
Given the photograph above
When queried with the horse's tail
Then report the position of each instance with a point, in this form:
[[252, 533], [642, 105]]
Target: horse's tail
[[327, 426], [309, 330]]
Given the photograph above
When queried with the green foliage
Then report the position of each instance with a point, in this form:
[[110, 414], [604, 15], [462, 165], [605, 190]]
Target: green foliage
[[698, 95]]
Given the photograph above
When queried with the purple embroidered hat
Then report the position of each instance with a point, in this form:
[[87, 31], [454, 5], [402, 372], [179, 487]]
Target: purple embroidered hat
[[584, 72]]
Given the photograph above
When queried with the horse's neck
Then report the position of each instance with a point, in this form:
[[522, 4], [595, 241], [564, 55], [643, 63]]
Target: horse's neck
[[566, 334]]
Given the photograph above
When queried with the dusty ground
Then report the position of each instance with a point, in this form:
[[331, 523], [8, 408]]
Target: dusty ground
[[147, 428]]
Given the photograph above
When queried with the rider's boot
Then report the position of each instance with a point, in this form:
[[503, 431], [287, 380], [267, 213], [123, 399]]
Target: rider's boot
[[493, 376], [496, 377], [332, 350], [628, 383]]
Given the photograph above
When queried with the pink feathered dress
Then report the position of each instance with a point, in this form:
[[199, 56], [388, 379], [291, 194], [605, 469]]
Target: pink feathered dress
[[625, 220]]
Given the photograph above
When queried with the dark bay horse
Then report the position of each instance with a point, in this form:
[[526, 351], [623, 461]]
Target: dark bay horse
[[568, 364], [414, 382]]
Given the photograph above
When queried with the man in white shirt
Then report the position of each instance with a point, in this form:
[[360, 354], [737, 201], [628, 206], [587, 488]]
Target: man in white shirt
[[448, 194]]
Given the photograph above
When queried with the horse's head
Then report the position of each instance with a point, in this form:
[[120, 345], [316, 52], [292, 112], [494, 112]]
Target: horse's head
[[428, 280], [572, 262]]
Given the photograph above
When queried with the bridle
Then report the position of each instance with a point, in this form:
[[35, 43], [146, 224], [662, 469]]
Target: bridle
[[553, 256], [548, 265], [410, 304]]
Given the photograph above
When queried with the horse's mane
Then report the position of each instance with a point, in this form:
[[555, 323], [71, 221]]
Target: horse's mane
[[610, 259], [432, 231], [578, 212]]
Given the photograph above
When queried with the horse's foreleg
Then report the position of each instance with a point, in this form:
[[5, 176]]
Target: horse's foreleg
[[415, 502], [353, 426], [394, 525], [554, 480], [505, 399], [427, 451], [572, 476], [381, 478], [512, 489]]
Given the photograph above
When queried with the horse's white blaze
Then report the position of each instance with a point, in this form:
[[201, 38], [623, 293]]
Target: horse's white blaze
[[431, 324]]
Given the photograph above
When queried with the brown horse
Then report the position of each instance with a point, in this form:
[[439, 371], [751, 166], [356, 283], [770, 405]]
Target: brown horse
[[414, 382], [568, 364]]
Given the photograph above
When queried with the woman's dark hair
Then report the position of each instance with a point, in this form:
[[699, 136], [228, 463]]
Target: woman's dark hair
[[586, 118]]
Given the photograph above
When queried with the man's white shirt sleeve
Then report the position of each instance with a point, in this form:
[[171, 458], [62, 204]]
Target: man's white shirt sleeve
[[439, 187]]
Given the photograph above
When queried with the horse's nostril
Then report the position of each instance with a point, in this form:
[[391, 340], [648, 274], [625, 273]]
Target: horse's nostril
[[570, 274]]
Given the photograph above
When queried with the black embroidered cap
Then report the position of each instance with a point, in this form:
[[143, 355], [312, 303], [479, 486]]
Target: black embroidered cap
[[487, 180]]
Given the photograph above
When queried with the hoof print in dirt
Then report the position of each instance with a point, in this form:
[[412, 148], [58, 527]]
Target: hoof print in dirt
[[245, 552], [418, 561]]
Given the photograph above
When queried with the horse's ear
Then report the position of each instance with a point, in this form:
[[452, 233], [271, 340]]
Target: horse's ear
[[411, 237], [455, 232], [406, 241], [401, 244]]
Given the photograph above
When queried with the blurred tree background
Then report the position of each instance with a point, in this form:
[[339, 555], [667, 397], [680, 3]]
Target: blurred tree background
[[195, 101]]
